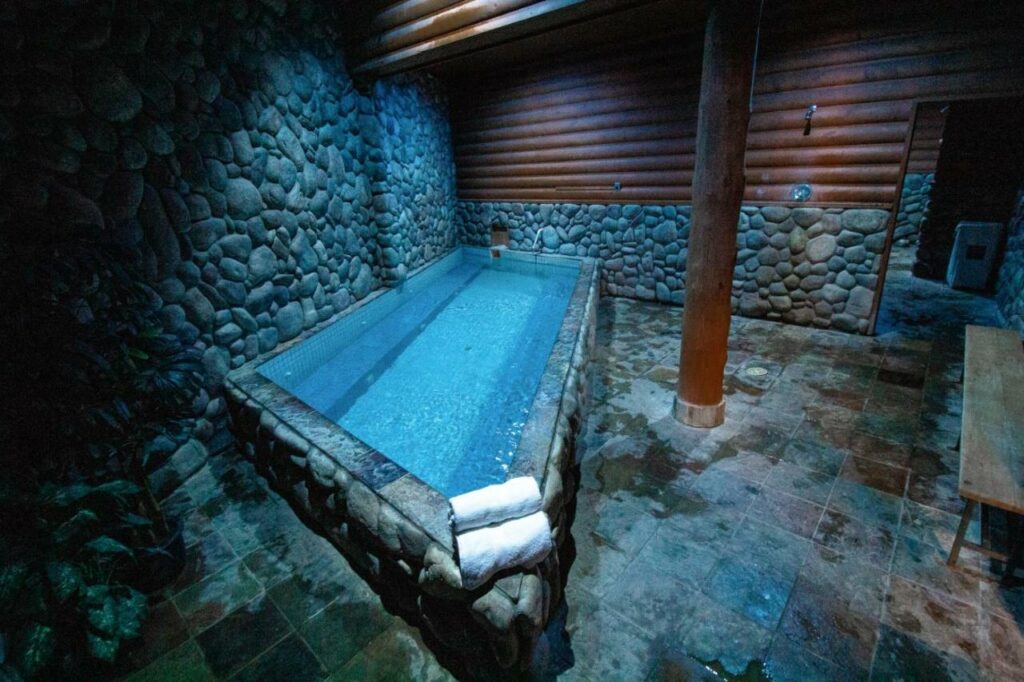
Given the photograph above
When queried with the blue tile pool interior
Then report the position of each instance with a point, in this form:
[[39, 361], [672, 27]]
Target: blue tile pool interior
[[439, 374]]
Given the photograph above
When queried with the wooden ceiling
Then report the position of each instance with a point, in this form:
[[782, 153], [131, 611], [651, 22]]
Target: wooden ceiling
[[467, 37]]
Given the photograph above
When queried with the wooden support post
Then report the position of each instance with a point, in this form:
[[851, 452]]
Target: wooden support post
[[730, 41]]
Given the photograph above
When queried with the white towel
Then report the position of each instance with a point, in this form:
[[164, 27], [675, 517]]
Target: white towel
[[519, 542], [512, 499]]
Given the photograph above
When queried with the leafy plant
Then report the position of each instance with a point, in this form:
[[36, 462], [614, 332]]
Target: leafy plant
[[97, 386], [149, 381], [60, 607], [95, 389]]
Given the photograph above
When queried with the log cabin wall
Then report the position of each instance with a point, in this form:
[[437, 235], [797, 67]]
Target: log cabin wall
[[928, 128], [571, 130], [541, 147]]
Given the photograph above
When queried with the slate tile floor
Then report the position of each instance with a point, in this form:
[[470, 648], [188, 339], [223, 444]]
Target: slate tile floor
[[805, 539]]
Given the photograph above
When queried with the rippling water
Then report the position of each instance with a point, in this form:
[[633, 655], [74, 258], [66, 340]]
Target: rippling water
[[443, 380]]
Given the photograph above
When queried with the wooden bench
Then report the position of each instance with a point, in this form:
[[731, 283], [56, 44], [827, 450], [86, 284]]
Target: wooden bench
[[992, 439]]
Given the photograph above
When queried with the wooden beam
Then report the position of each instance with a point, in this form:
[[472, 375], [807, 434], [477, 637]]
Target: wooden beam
[[539, 16], [386, 18], [890, 225], [451, 18], [723, 115]]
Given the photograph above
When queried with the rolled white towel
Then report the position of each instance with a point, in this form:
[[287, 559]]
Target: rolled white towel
[[512, 499], [518, 542]]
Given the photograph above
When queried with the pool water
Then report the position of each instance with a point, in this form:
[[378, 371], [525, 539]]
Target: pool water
[[439, 375]]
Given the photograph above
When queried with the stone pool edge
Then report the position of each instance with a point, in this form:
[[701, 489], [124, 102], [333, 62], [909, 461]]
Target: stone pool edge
[[393, 527]]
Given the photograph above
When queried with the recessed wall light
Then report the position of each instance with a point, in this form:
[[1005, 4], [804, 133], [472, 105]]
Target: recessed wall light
[[801, 192]]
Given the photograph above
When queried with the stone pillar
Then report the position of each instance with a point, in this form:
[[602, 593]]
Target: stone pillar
[[730, 40]]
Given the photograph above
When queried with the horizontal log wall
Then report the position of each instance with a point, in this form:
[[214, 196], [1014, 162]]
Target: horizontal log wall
[[928, 127], [579, 125], [567, 130]]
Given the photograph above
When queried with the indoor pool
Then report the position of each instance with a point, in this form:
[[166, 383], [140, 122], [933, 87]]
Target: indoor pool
[[440, 374]]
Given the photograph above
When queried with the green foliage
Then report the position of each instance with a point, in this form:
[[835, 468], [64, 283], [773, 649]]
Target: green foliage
[[92, 379], [59, 603], [35, 645], [94, 389]]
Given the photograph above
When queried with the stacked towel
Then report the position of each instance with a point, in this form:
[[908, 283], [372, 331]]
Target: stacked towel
[[517, 542], [512, 499], [499, 527]]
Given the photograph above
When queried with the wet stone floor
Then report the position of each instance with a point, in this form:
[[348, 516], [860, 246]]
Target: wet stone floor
[[805, 539]]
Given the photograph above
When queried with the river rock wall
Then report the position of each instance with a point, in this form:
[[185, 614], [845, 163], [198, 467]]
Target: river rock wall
[[807, 266], [225, 144], [414, 187], [1010, 283], [913, 202]]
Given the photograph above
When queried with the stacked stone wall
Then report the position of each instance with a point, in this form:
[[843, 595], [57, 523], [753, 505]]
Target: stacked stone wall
[[1010, 283], [414, 187], [913, 202], [807, 266], [226, 146]]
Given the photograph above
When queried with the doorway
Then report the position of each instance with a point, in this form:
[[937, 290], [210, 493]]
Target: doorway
[[965, 162]]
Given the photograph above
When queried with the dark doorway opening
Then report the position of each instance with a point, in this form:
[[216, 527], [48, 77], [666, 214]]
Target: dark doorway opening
[[978, 171], [964, 162]]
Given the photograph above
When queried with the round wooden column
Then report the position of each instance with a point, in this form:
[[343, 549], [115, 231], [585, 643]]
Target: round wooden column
[[730, 40]]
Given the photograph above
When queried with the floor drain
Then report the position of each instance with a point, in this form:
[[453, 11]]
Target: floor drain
[[755, 371]]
